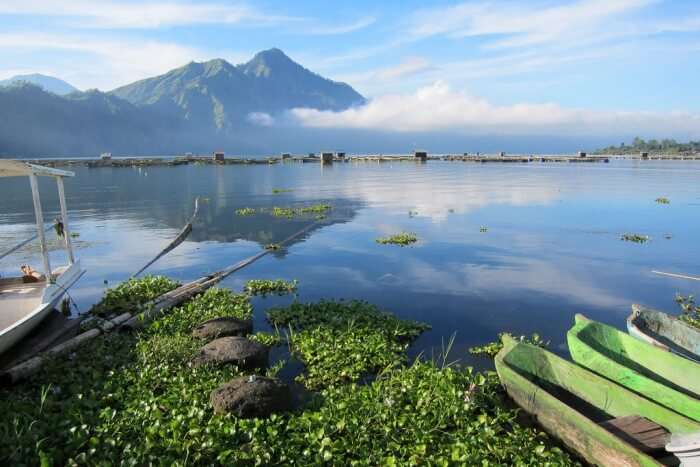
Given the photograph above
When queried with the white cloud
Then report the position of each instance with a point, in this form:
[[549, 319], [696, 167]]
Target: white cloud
[[131, 14], [342, 28], [105, 62], [522, 25], [260, 118], [408, 67], [439, 108]]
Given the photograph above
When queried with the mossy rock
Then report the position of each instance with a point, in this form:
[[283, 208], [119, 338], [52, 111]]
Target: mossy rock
[[235, 350], [223, 327], [252, 396]]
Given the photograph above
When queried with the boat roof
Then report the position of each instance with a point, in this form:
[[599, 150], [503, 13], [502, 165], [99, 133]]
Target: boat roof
[[15, 168]]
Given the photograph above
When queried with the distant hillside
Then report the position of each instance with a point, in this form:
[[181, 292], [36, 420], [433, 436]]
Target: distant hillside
[[665, 146], [219, 95], [48, 83], [36, 122], [198, 107]]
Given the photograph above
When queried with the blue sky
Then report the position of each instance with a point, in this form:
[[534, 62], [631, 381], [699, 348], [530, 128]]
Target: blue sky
[[634, 58]]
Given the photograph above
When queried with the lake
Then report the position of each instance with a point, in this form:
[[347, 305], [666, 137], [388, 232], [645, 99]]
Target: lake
[[551, 248]]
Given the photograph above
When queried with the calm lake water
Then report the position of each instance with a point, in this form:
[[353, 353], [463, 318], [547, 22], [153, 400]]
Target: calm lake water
[[552, 248]]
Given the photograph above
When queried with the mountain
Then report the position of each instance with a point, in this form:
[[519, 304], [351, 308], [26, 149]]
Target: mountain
[[198, 107], [48, 83], [217, 94]]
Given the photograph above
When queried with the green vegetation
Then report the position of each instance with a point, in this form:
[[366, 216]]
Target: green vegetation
[[291, 212], [663, 201], [636, 238], [402, 239], [245, 211], [75, 234], [665, 146], [483, 229], [273, 246], [690, 311], [277, 191], [266, 286], [339, 342], [134, 399], [267, 338], [131, 295], [492, 348]]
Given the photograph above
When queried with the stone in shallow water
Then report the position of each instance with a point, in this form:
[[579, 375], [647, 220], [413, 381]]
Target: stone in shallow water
[[223, 327], [244, 353], [251, 396]]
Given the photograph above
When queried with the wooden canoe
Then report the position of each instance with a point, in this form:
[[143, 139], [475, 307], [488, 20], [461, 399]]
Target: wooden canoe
[[664, 331], [661, 376], [575, 405]]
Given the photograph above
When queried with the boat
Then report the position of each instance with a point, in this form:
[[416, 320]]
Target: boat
[[666, 378], [592, 416], [664, 331], [26, 300]]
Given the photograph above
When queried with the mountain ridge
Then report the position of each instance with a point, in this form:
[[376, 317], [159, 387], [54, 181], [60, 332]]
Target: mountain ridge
[[48, 83]]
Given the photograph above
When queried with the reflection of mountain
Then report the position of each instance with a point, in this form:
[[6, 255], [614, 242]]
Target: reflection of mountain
[[163, 197]]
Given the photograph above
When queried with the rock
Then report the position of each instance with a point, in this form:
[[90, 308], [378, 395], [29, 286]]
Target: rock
[[244, 353], [223, 327], [251, 396]]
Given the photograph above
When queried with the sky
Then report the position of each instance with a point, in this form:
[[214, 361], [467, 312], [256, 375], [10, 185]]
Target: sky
[[528, 66]]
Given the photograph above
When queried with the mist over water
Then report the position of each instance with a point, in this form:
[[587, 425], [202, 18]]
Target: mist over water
[[552, 246]]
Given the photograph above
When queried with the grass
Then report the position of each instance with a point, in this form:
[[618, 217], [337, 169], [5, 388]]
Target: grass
[[401, 239], [133, 399], [636, 238], [663, 200], [269, 287]]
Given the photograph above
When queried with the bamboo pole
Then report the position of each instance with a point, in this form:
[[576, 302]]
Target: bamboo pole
[[38, 213], [678, 276], [64, 220]]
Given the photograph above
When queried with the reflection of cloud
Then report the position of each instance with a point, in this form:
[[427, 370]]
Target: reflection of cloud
[[515, 276], [434, 194]]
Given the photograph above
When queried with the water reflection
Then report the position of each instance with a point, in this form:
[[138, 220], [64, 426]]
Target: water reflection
[[550, 248]]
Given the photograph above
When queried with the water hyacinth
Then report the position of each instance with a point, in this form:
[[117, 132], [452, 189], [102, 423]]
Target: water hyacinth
[[401, 239]]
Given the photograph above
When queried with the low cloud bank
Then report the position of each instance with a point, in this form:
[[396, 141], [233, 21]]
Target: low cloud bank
[[439, 108]]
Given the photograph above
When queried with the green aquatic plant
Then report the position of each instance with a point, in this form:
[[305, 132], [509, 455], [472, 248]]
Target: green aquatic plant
[[273, 246], [492, 348], [690, 311], [291, 212], [75, 234], [401, 239], [636, 238], [277, 191], [269, 287], [245, 211], [339, 342], [483, 229], [131, 295], [663, 201], [267, 338], [134, 399]]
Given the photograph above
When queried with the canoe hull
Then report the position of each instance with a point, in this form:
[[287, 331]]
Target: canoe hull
[[664, 331], [566, 423], [665, 378]]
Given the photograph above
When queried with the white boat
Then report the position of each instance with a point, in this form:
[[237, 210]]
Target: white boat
[[23, 304]]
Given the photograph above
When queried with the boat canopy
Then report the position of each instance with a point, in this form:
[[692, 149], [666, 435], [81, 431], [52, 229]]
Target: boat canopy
[[13, 168]]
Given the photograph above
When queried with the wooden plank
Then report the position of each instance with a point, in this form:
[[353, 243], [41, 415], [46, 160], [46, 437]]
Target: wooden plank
[[640, 432]]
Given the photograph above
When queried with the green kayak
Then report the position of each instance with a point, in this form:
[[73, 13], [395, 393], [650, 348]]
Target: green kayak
[[575, 406], [664, 331], [661, 376]]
